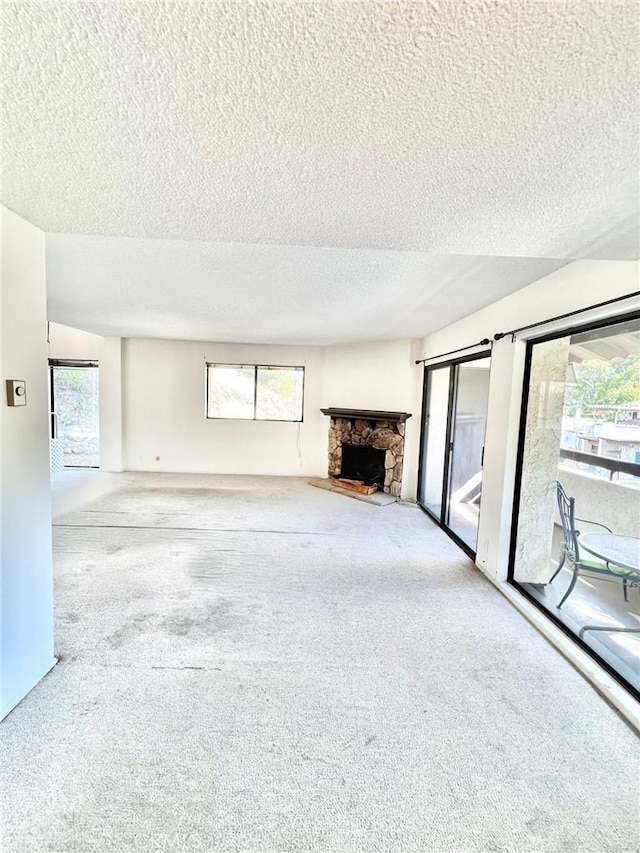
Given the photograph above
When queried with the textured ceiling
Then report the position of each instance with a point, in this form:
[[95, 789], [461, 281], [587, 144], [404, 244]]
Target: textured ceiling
[[488, 127], [268, 294], [503, 128]]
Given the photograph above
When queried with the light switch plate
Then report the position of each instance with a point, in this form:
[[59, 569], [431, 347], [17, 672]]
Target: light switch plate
[[16, 392]]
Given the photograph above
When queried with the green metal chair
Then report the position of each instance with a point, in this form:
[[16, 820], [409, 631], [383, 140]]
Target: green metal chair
[[571, 548]]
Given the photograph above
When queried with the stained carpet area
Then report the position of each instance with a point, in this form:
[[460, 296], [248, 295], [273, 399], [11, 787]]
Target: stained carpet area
[[257, 665]]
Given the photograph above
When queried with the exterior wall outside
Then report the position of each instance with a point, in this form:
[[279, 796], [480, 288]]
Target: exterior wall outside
[[540, 463], [608, 502], [619, 440], [25, 531], [574, 287]]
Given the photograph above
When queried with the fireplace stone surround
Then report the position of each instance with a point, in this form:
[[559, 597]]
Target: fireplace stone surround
[[366, 427]]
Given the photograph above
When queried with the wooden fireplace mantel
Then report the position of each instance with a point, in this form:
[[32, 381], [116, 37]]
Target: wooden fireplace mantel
[[367, 415]]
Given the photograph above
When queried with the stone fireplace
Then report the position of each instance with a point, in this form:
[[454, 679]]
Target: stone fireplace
[[367, 445]]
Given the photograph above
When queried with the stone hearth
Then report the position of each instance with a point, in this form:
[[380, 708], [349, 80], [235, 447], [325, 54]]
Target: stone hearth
[[378, 429]]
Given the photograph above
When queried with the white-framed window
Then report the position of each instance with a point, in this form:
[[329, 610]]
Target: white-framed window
[[255, 392]]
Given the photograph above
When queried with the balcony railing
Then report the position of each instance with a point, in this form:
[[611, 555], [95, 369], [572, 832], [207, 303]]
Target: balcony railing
[[614, 466]]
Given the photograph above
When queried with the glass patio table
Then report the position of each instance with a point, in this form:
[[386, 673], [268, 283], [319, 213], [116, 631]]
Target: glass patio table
[[619, 550]]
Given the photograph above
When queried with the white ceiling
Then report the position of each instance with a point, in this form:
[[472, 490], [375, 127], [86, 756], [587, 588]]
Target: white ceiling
[[262, 146], [268, 294]]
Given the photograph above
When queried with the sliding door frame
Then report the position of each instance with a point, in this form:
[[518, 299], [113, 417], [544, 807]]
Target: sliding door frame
[[515, 518], [53, 417], [443, 520]]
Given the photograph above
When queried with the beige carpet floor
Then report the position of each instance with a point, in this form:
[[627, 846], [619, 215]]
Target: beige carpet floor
[[256, 665]]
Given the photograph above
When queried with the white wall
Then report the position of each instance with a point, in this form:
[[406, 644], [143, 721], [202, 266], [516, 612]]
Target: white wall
[[152, 403], [602, 500], [26, 568], [163, 395], [164, 405], [382, 376], [75, 344], [68, 343], [110, 396], [576, 286], [368, 376], [164, 423]]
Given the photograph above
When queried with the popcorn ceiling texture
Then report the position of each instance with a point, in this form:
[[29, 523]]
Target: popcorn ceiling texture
[[479, 127], [268, 294], [289, 169]]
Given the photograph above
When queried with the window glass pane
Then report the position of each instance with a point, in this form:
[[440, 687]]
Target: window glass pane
[[435, 438], [76, 406], [231, 391], [578, 539], [280, 393], [469, 421]]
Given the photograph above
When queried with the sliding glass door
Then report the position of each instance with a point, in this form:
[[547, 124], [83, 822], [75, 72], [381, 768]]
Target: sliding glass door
[[466, 449], [437, 391], [576, 538], [453, 428], [75, 429]]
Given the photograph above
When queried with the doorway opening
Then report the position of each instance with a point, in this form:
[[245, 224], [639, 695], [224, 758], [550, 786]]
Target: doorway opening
[[454, 419], [75, 414]]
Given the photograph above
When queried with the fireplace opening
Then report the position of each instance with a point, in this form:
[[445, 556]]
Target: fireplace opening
[[363, 463]]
